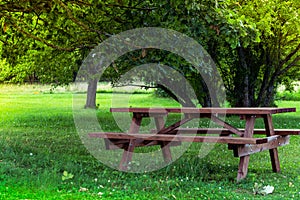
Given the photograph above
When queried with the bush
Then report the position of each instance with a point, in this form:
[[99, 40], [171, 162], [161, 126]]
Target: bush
[[161, 93], [5, 71], [288, 96]]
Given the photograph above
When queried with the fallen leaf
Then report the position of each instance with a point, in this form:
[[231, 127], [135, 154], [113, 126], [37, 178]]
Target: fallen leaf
[[83, 189], [267, 190]]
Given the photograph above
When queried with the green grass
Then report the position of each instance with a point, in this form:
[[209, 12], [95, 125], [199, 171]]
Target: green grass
[[38, 142]]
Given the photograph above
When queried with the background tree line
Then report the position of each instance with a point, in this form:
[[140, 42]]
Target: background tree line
[[255, 44]]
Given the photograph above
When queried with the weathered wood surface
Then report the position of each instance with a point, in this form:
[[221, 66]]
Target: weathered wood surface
[[248, 149], [179, 138], [226, 131], [243, 146], [210, 110]]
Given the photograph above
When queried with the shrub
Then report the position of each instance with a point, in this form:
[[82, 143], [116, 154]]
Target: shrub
[[288, 96]]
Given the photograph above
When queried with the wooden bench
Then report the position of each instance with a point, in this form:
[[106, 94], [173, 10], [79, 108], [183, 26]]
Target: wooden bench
[[241, 141], [227, 132], [254, 145]]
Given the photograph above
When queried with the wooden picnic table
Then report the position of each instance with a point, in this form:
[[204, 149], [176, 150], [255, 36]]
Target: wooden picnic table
[[240, 140]]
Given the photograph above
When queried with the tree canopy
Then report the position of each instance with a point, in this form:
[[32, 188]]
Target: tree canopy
[[255, 44], [266, 49]]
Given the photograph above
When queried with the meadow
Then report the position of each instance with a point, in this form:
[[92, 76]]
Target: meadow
[[42, 155]]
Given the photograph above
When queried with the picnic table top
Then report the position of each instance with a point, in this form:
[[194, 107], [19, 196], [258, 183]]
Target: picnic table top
[[208, 110]]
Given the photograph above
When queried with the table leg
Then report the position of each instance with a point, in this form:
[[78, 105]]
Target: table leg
[[244, 160], [128, 152], [273, 152], [165, 147]]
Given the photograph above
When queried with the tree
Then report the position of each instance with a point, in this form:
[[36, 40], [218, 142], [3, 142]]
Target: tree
[[254, 43], [181, 17], [264, 40], [70, 28]]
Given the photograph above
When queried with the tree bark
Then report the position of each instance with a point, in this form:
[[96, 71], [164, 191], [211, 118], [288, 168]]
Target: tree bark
[[91, 94], [207, 97], [269, 97], [242, 81]]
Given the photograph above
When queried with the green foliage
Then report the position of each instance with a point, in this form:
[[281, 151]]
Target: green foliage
[[255, 44], [4, 71], [48, 66], [288, 96], [265, 50], [52, 38], [238, 29]]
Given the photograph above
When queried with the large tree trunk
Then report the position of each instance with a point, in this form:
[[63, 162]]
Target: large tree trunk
[[269, 97], [91, 94], [241, 91], [270, 92], [206, 98]]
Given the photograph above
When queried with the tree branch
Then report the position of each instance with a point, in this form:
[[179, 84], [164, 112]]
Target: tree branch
[[292, 64], [288, 57], [71, 16], [11, 6], [136, 85], [14, 8], [41, 39], [44, 41], [76, 21], [4, 42], [130, 7], [78, 2]]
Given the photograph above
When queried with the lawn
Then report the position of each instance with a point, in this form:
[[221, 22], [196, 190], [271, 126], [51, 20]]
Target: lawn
[[42, 156]]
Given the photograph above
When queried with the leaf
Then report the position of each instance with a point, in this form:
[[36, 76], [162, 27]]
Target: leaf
[[115, 67], [65, 173], [144, 53], [82, 189], [66, 176], [5, 27], [267, 190]]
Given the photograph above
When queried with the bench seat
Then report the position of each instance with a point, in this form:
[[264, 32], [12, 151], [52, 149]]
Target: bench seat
[[182, 138], [221, 131], [241, 146]]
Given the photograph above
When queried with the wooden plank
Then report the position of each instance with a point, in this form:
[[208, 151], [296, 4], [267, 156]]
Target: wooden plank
[[210, 110], [273, 152], [219, 131], [226, 125], [123, 143], [111, 144], [174, 126], [180, 138], [279, 131], [117, 143], [227, 132], [162, 111], [244, 160], [165, 147], [274, 142], [127, 155], [128, 151]]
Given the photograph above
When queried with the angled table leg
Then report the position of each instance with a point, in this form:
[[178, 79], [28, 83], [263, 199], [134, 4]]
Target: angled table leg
[[244, 160], [165, 147], [128, 152], [273, 152]]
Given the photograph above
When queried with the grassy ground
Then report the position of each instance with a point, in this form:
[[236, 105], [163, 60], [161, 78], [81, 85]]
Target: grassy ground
[[42, 156]]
